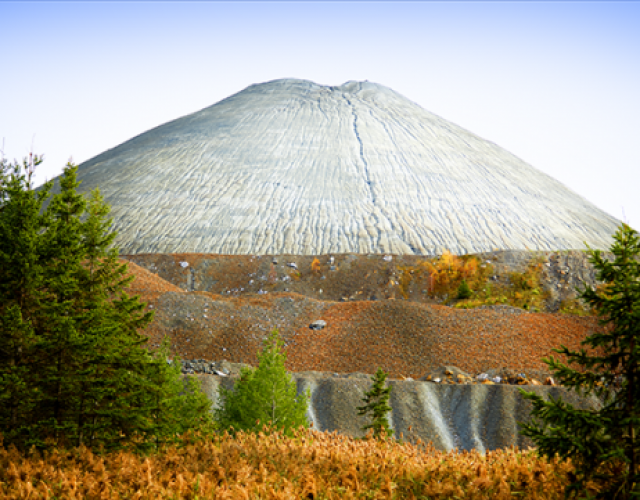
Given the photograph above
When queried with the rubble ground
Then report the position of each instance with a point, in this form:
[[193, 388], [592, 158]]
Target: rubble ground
[[200, 303]]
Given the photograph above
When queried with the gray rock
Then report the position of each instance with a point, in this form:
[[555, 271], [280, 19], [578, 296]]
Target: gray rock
[[318, 324]]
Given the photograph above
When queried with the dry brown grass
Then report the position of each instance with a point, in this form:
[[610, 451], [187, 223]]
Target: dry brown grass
[[269, 465]]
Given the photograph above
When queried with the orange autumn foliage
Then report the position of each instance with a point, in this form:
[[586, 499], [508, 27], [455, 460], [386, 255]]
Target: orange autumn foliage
[[269, 465], [315, 266]]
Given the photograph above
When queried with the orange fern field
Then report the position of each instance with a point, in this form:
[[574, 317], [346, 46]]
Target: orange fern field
[[269, 465]]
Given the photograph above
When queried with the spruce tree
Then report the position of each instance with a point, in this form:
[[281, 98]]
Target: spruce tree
[[604, 445], [377, 403], [264, 395], [72, 363], [89, 353], [176, 403], [21, 294]]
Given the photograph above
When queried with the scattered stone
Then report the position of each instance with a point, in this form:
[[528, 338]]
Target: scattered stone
[[184, 264], [293, 265], [318, 324], [447, 373]]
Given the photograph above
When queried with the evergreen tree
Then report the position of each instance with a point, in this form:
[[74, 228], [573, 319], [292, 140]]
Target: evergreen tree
[[176, 403], [265, 395], [89, 353], [464, 292], [72, 364], [21, 293], [603, 444], [377, 402]]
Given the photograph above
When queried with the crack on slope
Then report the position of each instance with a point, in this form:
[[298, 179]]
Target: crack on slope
[[367, 177], [322, 111], [364, 162]]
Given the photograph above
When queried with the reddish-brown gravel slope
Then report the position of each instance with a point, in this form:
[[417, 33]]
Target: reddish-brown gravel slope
[[406, 339]]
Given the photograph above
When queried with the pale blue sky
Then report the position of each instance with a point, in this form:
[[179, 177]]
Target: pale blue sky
[[557, 84]]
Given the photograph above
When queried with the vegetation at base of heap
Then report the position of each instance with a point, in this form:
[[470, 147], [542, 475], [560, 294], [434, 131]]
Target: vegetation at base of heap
[[465, 283], [73, 369], [603, 444], [264, 394], [579, 307], [574, 306], [269, 464], [464, 292], [445, 277], [441, 277]]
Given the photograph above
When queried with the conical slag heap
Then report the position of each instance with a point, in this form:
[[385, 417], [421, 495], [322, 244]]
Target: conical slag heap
[[291, 167]]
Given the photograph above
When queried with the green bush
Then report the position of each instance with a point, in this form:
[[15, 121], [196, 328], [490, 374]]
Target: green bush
[[265, 395], [464, 292]]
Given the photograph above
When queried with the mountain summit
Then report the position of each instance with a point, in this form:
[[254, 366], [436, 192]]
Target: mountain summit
[[292, 167]]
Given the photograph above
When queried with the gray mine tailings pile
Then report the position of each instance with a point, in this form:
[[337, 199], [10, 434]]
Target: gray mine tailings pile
[[292, 167]]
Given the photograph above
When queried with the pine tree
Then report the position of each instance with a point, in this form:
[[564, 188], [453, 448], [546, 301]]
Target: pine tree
[[377, 402], [603, 444], [265, 395]]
